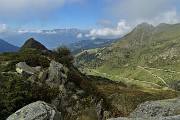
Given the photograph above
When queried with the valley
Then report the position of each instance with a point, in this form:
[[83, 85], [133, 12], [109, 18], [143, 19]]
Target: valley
[[76, 94], [146, 57], [109, 81], [90, 60]]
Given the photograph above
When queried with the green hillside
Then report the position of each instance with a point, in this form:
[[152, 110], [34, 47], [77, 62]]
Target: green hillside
[[86, 91], [146, 57]]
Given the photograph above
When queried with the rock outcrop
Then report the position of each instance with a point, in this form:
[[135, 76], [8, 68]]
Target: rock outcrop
[[36, 111], [56, 75], [156, 110], [23, 67], [164, 108], [71, 100]]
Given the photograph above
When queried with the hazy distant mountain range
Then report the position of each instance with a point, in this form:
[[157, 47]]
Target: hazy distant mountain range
[[50, 38], [90, 44], [6, 47]]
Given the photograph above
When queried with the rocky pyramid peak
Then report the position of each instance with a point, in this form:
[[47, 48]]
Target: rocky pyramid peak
[[32, 43]]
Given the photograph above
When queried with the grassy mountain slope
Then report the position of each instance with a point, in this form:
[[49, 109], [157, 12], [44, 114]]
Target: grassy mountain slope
[[147, 56]]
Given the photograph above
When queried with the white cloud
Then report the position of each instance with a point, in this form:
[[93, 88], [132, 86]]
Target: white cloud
[[118, 31], [79, 35], [169, 17], [22, 31], [3, 28], [49, 32], [29, 31], [140, 8], [133, 11], [6, 30]]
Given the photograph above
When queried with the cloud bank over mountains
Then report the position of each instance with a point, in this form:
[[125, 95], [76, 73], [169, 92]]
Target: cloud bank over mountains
[[153, 11], [118, 31], [107, 32], [112, 18]]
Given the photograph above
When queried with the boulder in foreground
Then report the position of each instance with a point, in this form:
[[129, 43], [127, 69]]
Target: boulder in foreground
[[156, 110], [36, 111]]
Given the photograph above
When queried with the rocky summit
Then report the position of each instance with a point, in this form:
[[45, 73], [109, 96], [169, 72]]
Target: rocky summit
[[33, 44]]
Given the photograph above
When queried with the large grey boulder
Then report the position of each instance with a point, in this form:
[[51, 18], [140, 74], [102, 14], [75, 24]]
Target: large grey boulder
[[36, 111], [164, 108], [156, 110], [56, 75], [25, 68]]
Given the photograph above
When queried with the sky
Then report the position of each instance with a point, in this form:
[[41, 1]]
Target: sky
[[101, 17]]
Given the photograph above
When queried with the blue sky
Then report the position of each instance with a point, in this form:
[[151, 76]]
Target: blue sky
[[81, 14], [103, 17]]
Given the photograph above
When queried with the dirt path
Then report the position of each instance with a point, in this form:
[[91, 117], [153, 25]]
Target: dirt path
[[154, 75]]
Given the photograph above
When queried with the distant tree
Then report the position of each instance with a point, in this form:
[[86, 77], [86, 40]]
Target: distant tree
[[64, 56]]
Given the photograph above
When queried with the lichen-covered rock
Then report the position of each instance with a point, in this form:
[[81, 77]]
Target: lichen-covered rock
[[156, 110], [99, 108], [23, 67], [56, 75], [43, 75], [62, 90], [36, 111], [164, 108], [80, 92]]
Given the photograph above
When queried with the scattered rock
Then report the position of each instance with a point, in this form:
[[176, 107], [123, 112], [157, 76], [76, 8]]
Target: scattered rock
[[74, 96], [70, 86], [43, 75], [62, 90], [37, 68], [23, 67], [36, 111], [79, 92], [99, 108], [57, 74]]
